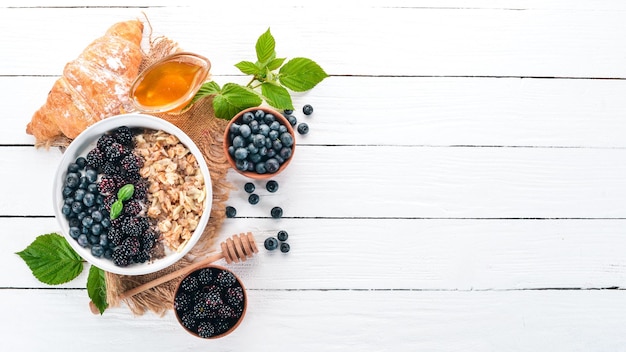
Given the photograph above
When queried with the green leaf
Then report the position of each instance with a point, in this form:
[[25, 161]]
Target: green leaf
[[234, 98], [265, 47], [126, 192], [276, 96], [247, 67], [275, 63], [97, 289], [52, 260], [208, 88], [301, 74], [116, 209]]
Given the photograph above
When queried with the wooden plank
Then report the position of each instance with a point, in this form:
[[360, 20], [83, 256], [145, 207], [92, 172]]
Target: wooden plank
[[427, 111], [337, 320], [400, 41], [396, 254], [386, 181]]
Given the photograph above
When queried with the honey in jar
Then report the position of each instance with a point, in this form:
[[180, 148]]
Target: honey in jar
[[169, 85]]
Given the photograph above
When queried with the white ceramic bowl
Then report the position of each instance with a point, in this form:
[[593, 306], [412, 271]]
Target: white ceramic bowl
[[87, 141]]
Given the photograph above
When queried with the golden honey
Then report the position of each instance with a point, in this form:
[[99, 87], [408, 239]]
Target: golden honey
[[169, 85]]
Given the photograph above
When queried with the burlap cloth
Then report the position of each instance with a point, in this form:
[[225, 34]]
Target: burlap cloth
[[200, 123]]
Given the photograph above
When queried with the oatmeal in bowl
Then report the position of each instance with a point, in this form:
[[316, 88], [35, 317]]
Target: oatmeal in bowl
[[132, 194]]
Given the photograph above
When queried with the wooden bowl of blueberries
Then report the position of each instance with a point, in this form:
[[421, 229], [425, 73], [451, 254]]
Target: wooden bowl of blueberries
[[259, 142]]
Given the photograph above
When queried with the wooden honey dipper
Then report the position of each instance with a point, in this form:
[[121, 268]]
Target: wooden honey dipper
[[234, 249]]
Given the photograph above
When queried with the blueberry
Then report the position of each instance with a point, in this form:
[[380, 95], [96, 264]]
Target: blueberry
[[67, 191], [269, 118], [274, 126], [93, 188], [74, 232], [93, 239], [241, 165], [287, 139], [104, 240], [271, 186], [282, 235], [73, 167], [272, 165], [87, 221], [74, 222], [231, 212], [92, 175], [307, 109], [259, 114], [99, 199], [72, 180], [252, 149], [68, 201], [270, 152], [245, 131], [234, 128], [264, 130], [89, 199], [273, 134], [258, 140], [285, 153], [284, 247], [253, 198], [277, 212], [84, 183], [260, 168], [96, 229], [98, 251], [82, 240], [303, 128], [277, 144], [255, 158], [108, 253], [287, 111], [81, 162], [292, 120], [270, 243], [279, 158], [254, 126], [247, 117], [66, 210], [249, 187], [106, 222], [77, 207], [238, 142], [79, 195], [241, 153]]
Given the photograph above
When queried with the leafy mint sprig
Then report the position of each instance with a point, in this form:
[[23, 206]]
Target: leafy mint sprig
[[123, 194], [271, 81], [53, 261]]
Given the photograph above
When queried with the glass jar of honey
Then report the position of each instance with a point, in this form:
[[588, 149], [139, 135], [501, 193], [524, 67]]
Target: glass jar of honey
[[169, 84]]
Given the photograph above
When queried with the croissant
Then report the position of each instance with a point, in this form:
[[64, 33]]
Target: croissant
[[93, 86]]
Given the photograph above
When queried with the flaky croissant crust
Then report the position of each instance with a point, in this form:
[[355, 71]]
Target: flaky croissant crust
[[94, 86]]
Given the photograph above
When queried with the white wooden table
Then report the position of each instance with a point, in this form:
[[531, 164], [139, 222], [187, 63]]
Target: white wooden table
[[463, 186]]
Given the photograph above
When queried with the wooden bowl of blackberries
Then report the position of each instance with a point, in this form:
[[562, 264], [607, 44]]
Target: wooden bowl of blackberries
[[259, 142], [210, 302]]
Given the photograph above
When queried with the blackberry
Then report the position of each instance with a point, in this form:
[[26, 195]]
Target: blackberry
[[141, 189], [284, 247], [135, 226], [271, 186], [141, 257], [189, 321], [282, 235], [205, 276], [104, 141], [226, 312], [124, 136], [95, 158], [108, 202], [212, 296], [111, 168], [225, 279], [307, 109], [130, 246], [132, 207], [107, 186], [234, 296], [220, 326], [205, 329], [148, 240], [182, 302], [120, 258], [131, 163], [114, 151], [189, 284]]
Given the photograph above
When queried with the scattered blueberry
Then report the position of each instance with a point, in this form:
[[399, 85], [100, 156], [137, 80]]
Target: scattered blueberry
[[271, 243], [277, 212], [288, 111], [249, 187], [282, 235], [307, 109], [284, 247], [271, 186], [303, 128], [253, 198], [231, 212], [292, 120]]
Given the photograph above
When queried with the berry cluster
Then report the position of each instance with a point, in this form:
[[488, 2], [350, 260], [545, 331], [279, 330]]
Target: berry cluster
[[302, 127], [259, 142], [128, 237], [253, 198], [210, 302], [271, 243]]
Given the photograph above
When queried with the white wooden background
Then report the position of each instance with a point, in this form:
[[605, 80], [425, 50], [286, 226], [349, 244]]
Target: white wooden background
[[463, 186]]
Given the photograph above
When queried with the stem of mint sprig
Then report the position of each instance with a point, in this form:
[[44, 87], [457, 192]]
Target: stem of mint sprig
[[272, 80]]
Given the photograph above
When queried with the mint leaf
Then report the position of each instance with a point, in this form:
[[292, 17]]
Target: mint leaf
[[248, 68], [301, 74], [97, 288], [275, 63], [52, 260], [126, 192], [116, 209], [208, 88], [276, 96], [265, 47], [232, 99]]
